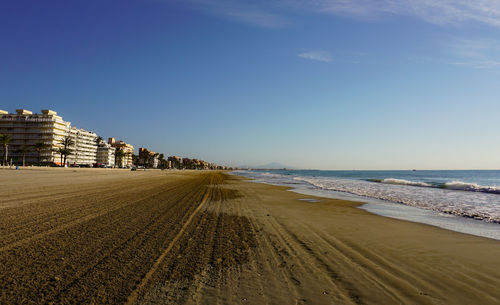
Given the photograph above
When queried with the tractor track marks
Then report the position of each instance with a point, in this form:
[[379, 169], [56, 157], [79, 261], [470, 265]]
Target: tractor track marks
[[98, 258]]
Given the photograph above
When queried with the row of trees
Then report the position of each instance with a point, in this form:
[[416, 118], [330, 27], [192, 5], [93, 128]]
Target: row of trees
[[64, 151], [120, 154], [23, 150], [147, 160], [67, 142], [187, 163]]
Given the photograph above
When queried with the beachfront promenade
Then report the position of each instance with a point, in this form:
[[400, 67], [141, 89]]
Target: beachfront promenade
[[206, 237]]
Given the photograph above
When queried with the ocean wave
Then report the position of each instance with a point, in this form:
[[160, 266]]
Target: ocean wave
[[471, 187], [481, 204], [270, 175], [404, 182], [452, 198], [453, 185]]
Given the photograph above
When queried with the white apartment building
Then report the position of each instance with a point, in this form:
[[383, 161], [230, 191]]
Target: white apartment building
[[84, 148], [106, 154], [27, 129]]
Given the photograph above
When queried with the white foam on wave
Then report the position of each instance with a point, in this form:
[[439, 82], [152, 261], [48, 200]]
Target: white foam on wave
[[478, 205], [404, 182], [464, 186], [458, 199]]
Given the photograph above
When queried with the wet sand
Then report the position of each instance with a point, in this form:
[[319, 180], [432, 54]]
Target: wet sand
[[177, 237]]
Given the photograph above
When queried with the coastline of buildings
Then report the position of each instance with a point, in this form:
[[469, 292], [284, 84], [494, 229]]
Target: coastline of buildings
[[45, 138]]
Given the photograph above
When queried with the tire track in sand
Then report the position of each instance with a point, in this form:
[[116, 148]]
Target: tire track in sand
[[135, 294], [77, 221]]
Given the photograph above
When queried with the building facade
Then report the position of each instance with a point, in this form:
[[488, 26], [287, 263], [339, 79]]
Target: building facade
[[105, 154], [28, 129], [84, 148], [39, 137], [175, 162], [148, 158], [127, 149]]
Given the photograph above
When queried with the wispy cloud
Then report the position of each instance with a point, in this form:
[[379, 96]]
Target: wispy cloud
[[488, 64], [317, 55], [242, 11], [476, 53], [481, 54], [274, 13], [433, 11]]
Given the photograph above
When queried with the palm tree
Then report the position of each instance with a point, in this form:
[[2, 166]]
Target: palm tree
[[99, 140], [24, 150], [66, 142], [5, 140], [135, 160], [119, 154], [187, 163], [175, 162], [61, 151], [162, 163], [146, 159], [39, 148]]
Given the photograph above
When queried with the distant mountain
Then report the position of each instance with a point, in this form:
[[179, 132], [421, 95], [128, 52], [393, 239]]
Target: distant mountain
[[273, 165]]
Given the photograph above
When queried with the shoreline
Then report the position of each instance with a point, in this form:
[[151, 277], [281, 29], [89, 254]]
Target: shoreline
[[433, 255], [395, 210]]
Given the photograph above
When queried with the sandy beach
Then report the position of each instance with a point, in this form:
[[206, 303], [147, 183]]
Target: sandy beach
[[105, 236]]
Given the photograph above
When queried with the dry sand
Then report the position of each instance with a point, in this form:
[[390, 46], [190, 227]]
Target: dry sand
[[156, 237]]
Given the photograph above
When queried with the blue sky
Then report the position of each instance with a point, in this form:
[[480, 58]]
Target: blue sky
[[329, 84]]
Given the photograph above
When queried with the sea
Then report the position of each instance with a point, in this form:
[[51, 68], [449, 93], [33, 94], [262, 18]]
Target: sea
[[466, 201]]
